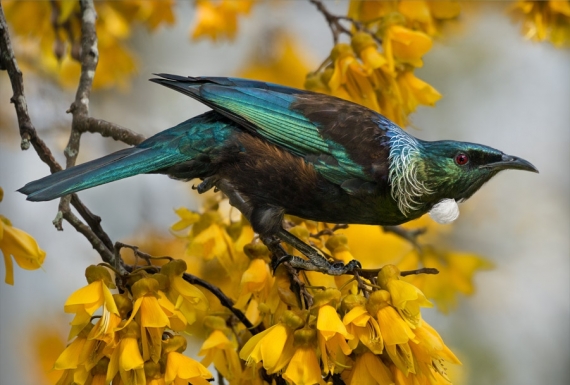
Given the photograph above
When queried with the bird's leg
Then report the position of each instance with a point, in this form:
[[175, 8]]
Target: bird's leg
[[316, 261]]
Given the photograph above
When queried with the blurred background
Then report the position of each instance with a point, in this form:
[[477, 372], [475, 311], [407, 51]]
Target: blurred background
[[498, 89]]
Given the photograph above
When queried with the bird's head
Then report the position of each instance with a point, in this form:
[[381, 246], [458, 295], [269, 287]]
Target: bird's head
[[457, 170]]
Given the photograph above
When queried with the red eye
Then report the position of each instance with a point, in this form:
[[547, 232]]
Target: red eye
[[461, 159]]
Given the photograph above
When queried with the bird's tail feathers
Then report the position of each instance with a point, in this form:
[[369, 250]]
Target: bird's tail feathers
[[119, 165]]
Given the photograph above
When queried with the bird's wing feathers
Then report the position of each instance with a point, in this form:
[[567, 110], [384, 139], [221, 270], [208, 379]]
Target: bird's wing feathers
[[305, 123]]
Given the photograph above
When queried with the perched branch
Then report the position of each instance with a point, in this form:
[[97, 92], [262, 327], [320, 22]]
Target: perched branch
[[336, 26]]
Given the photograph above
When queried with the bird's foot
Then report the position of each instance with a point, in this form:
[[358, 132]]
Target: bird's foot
[[206, 185], [323, 266], [316, 261]]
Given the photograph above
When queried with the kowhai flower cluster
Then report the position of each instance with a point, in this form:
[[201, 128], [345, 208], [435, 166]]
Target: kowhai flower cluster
[[136, 339], [388, 42], [308, 326]]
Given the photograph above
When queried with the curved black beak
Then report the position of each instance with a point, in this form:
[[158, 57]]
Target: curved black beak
[[510, 162]]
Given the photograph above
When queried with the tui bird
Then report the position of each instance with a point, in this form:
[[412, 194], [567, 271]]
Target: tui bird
[[275, 150]]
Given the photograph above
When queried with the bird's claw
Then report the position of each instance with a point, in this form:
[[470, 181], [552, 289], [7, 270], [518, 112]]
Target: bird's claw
[[276, 262], [323, 266]]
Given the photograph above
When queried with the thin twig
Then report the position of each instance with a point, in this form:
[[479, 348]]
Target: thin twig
[[224, 300], [423, 270], [336, 26], [111, 130]]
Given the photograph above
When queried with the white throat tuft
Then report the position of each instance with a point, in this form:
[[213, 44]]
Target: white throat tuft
[[445, 211]]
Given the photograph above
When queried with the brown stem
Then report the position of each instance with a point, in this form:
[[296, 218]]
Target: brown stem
[[94, 232], [224, 300], [423, 270], [336, 26]]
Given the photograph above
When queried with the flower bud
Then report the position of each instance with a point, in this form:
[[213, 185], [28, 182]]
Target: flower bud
[[387, 273]]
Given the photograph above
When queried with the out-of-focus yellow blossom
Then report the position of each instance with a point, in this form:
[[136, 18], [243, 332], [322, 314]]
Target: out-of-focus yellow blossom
[[277, 59], [367, 369], [181, 369], [415, 92], [544, 20], [209, 239], [395, 331], [456, 272], [218, 19], [406, 298], [85, 301], [186, 297], [59, 42], [404, 45], [220, 350], [425, 15], [126, 358], [304, 368], [187, 219], [273, 346], [17, 244]]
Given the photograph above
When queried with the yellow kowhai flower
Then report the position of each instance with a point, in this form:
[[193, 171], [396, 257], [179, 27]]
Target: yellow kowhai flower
[[406, 298], [70, 357], [304, 368], [405, 46], [220, 350], [456, 274], [543, 20], [415, 92], [332, 336], [430, 352], [153, 373], [126, 359], [219, 19], [98, 374], [105, 330], [367, 369], [256, 280], [362, 325], [187, 219], [424, 15], [19, 245], [85, 301], [154, 312], [350, 74], [273, 346], [180, 369], [186, 297], [367, 50], [395, 331]]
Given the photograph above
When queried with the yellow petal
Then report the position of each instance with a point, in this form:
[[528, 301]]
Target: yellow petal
[[152, 314], [329, 323], [69, 358], [130, 356], [22, 246], [182, 367], [90, 296], [304, 368]]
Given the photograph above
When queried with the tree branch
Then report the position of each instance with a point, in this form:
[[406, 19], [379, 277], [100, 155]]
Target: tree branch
[[94, 232]]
